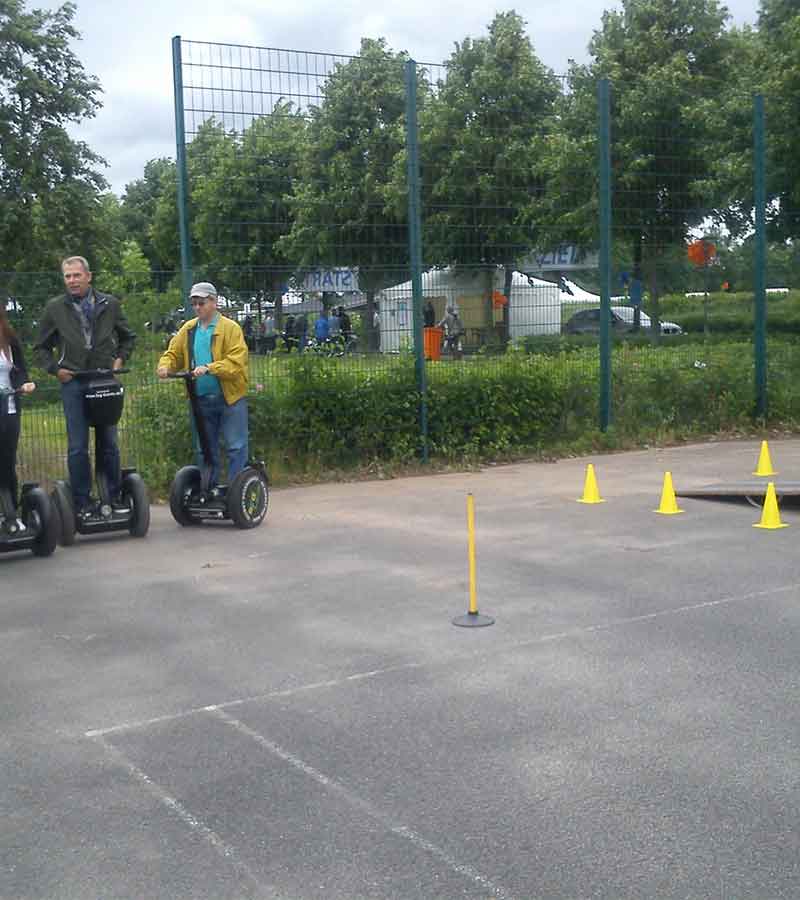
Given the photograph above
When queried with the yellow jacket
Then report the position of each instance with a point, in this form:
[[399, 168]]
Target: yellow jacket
[[228, 350]]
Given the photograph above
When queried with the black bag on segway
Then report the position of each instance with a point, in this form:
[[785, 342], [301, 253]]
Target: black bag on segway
[[103, 399]]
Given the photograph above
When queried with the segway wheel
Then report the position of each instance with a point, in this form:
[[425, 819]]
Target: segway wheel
[[65, 514], [248, 498], [37, 501], [186, 480], [134, 487]]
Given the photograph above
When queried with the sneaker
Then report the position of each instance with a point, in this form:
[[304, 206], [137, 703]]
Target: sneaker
[[21, 526]]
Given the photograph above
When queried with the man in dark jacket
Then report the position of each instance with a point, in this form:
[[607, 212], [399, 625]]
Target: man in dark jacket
[[88, 330]]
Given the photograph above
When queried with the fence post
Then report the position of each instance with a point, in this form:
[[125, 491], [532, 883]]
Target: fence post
[[415, 245], [760, 278], [604, 160], [182, 174]]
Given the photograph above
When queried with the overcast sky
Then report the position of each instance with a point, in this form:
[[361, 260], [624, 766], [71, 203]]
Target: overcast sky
[[127, 46]]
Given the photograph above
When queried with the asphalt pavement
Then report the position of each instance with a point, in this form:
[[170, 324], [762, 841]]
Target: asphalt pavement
[[289, 713]]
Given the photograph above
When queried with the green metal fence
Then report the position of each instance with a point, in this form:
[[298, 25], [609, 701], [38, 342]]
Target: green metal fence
[[565, 218]]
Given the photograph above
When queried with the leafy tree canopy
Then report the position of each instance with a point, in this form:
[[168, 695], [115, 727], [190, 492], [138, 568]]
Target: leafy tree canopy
[[49, 186], [481, 133]]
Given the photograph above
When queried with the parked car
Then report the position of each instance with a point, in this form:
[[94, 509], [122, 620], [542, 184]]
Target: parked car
[[626, 313], [587, 321]]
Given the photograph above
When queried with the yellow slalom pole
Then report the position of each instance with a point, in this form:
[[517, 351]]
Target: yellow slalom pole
[[473, 593], [472, 619]]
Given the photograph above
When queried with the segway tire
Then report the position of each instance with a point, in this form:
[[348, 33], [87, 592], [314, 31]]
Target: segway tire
[[186, 480], [65, 514], [133, 485], [49, 523], [248, 498]]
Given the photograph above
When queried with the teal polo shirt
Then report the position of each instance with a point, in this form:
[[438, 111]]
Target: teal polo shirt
[[206, 384]]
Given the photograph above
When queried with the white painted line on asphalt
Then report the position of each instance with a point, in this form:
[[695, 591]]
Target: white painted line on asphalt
[[660, 614], [192, 822], [229, 704], [374, 673], [373, 812]]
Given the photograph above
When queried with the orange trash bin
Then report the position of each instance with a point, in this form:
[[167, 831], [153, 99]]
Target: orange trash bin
[[432, 342]]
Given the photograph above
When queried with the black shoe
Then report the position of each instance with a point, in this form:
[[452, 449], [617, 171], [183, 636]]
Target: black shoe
[[121, 504], [83, 512]]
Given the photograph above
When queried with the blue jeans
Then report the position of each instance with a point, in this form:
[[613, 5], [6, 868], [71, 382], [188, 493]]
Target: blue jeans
[[231, 423], [106, 451]]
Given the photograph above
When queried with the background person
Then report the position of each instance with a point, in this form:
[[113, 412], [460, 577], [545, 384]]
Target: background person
[[453, 329], [269, 334], [13, 376], [213, 348], [347, 329], [322, 327], [88, 330], [334, 325], [289, 335], [301, 331]]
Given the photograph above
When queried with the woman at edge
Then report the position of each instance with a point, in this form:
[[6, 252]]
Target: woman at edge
[[13, 376]]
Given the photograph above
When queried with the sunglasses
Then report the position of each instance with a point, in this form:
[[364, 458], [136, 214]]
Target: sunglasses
[[199, 302]]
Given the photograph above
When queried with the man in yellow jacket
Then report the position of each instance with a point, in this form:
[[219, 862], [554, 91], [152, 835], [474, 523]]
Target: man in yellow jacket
[[213, 348]]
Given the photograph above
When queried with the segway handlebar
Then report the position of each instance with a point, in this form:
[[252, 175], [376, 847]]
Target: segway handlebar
[[185, 374], [97, 373]]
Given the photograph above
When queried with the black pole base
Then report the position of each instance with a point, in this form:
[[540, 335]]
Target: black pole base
[[473, 620]]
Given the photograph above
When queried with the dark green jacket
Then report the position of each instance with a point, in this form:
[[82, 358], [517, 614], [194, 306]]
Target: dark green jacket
[[61, 330]]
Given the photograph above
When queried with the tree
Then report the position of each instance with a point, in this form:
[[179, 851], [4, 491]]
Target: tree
[[138, 207], [342, 207], [669, 65], [49, 187], [240, 202], [779, 64], [480, 136], [164, 232]]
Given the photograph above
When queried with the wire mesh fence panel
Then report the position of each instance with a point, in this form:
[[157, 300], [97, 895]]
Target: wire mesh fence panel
[[505, 233], [295, 212], [782, 219], [288, 158], [349, 244], [679, 220]]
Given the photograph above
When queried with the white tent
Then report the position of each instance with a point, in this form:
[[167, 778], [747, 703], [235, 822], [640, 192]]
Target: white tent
[[576, 294], [534, 307]]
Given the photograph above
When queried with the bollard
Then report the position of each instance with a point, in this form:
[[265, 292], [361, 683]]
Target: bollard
[[472, 618]]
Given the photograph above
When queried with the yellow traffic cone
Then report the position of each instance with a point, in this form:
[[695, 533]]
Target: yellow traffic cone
[[770, 516], [590, 492], [764, 462], [668, 505]]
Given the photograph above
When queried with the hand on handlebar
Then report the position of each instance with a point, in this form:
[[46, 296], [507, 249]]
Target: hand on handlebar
[[64, 375], [200, 370], [28, 388], [118, 363], [162, 372]]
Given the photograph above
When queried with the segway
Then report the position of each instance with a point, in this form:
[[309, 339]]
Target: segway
[[35, 527], [103, 402], [193, 499]]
